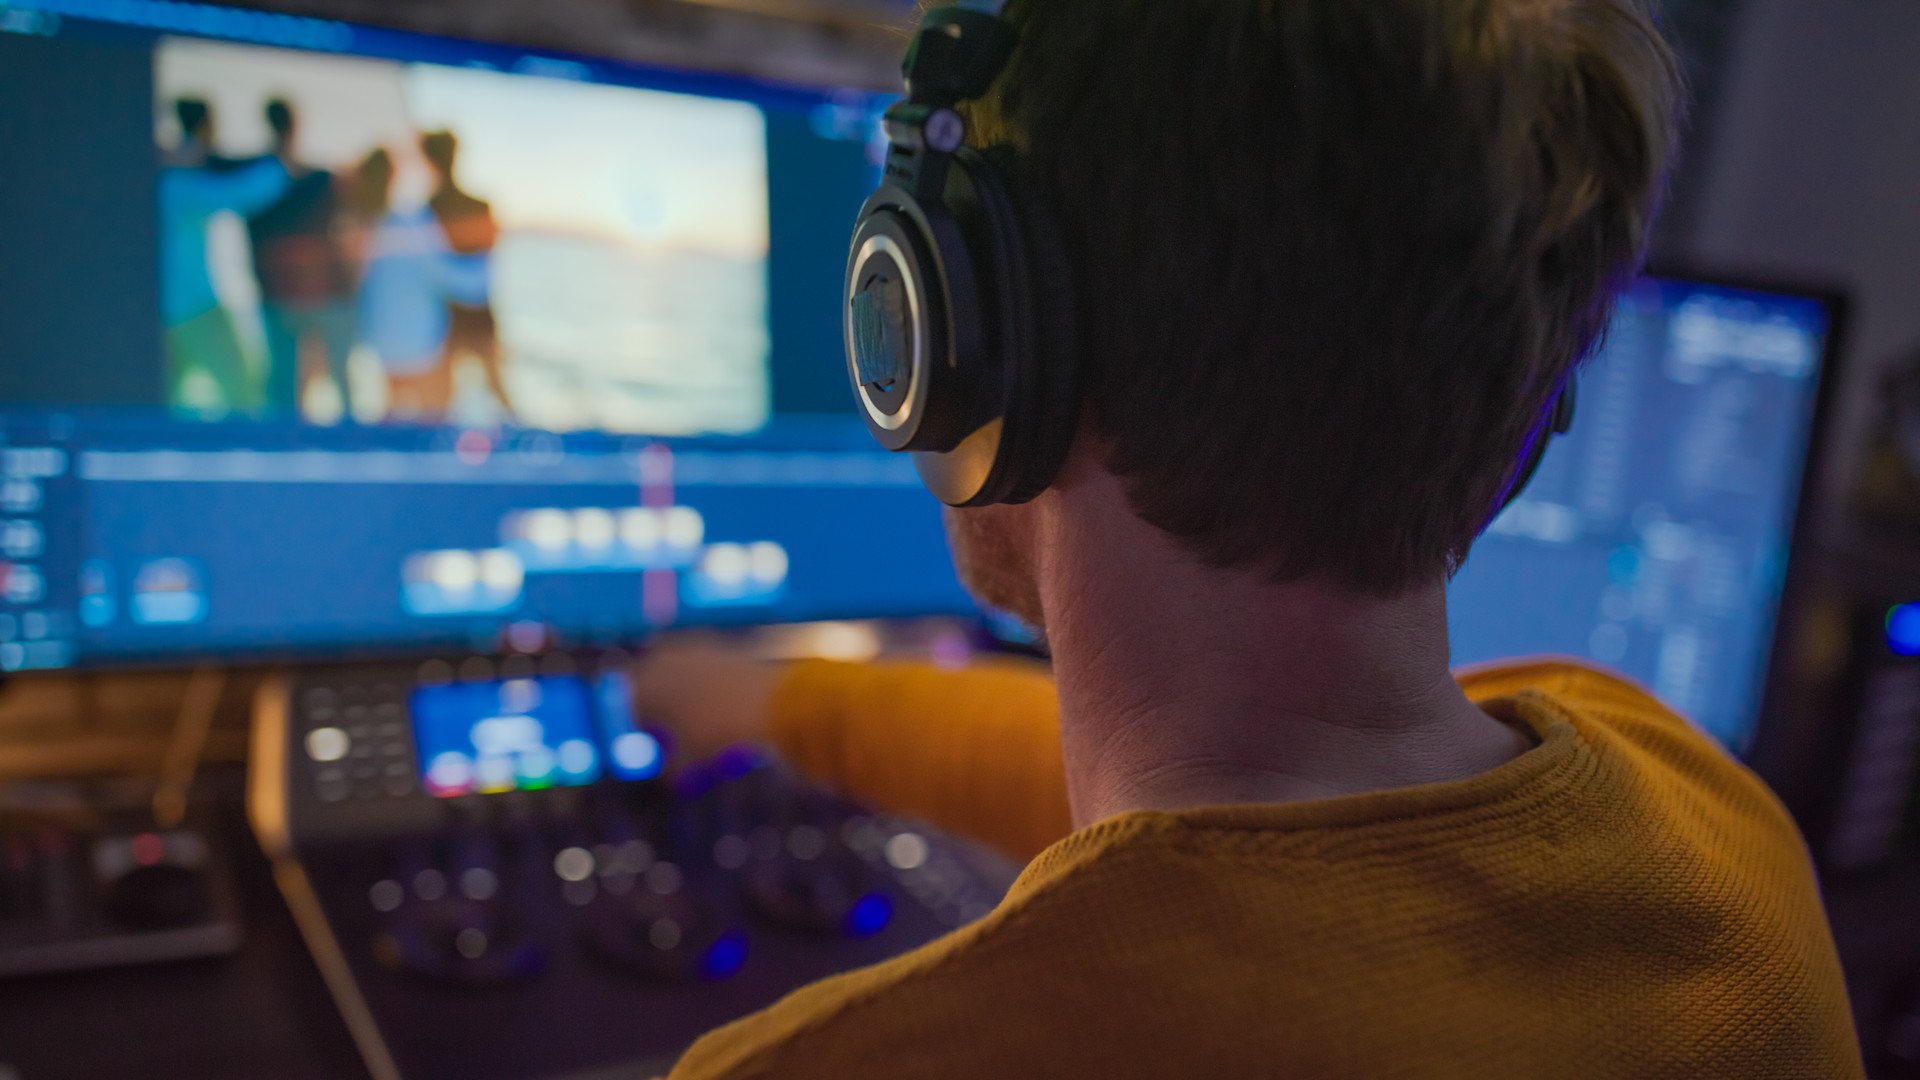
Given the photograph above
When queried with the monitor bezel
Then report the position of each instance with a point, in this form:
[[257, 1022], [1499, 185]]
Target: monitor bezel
[[255, 27]]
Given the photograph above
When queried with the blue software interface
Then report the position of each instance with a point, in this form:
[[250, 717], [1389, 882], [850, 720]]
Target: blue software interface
[[324, 338], [1655, 537]]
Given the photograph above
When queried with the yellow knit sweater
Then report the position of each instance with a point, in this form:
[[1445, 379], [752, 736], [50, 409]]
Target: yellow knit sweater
[[1622, 901]]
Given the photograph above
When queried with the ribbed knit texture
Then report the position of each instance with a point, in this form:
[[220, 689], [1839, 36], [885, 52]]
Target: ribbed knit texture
[[1622, 901]]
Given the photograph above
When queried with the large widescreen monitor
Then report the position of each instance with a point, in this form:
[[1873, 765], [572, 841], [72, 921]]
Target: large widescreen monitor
[[321, 339]]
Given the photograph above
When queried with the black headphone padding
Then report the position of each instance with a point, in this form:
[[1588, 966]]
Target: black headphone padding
[[1044, 409]]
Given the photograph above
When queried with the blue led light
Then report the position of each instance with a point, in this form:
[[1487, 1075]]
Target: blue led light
[[637, 756], [737, 761], [725, 956], [1903, 629], [870, 915]]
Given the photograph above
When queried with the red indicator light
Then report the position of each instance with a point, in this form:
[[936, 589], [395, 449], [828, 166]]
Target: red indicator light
[[148, 848]]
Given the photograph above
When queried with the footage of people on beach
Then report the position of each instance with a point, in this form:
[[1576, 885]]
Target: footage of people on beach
[[347, 240]]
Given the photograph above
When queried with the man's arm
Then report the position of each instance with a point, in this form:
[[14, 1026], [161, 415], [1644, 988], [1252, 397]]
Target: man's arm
[[975, 751]]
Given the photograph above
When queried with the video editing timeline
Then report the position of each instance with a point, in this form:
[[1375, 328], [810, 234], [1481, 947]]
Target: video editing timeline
[[661, 541], [1655, 537], [492, 861], [162, 541]]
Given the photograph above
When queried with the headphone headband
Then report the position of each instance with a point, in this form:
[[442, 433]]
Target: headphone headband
[[956, 55], [960, 323]]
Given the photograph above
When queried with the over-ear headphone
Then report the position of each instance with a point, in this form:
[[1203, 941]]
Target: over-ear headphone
[[962, 324]]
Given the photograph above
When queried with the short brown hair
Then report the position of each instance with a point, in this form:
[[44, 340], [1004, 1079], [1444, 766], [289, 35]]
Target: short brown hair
[[1334, 257]]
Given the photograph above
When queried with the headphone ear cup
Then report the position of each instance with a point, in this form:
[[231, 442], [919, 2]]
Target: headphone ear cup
[[1033, 279], [1053, 373], [1020, 321]]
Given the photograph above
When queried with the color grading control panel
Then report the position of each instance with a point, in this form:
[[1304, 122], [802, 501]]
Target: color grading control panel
[[498, 878]]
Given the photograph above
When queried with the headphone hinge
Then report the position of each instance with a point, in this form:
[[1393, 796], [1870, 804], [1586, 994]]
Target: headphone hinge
[[921, 140]]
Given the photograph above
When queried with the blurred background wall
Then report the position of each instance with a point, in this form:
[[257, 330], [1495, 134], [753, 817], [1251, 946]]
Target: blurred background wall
[[1807, 166]]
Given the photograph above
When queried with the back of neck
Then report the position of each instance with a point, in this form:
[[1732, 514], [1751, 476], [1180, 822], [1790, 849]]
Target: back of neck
[[1184, 685]]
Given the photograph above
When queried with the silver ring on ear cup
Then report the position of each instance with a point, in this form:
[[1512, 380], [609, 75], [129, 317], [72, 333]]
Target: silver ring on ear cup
[[985, 392], [882, 245], [903, 351]]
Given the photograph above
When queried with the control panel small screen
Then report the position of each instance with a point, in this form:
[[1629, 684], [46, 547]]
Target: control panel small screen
[[632, 753], [505, 735]]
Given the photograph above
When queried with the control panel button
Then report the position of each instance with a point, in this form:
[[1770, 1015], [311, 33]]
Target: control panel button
[[906, 851], [679, 937], [332, 785], [386, 895], [328, 744]]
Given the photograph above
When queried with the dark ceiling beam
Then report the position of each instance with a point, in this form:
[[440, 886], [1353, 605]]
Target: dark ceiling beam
[[855, 43]]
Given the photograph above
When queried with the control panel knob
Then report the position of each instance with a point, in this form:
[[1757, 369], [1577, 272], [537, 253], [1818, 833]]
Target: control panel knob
[[458, 927], [829, 893], [675, 936], [149, 880], [158, 897], [457, 940]]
